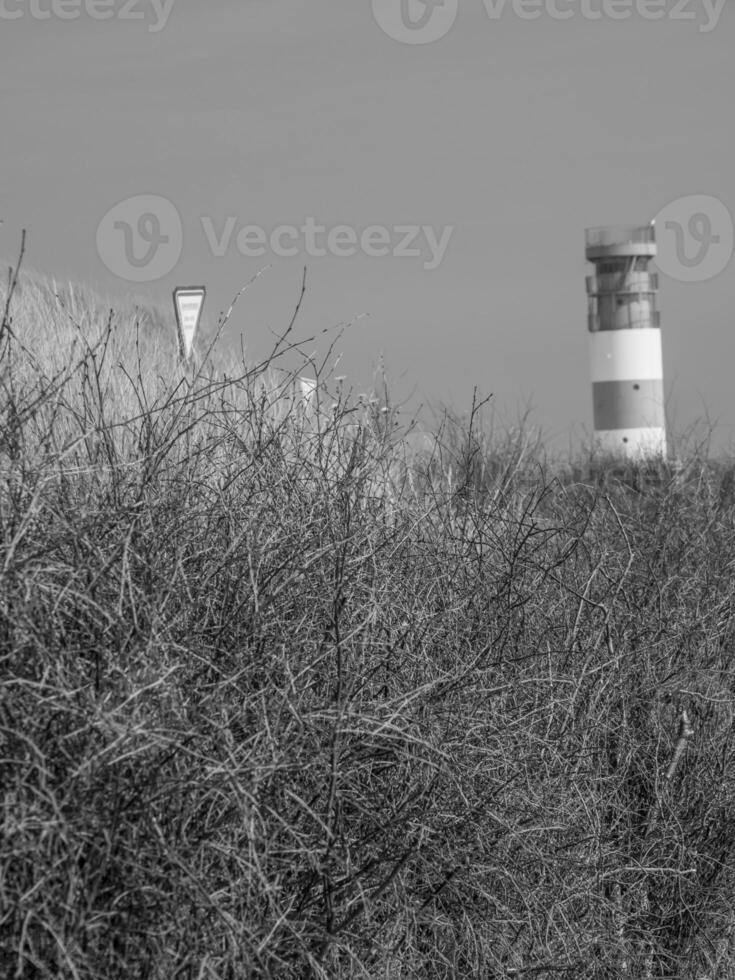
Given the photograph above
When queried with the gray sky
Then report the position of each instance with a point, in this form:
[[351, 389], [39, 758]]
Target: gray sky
[[512, 133]]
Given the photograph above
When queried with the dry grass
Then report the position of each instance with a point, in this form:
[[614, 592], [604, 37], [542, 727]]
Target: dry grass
[[280, 699]]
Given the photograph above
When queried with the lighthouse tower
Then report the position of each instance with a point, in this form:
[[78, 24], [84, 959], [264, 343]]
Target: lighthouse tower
[[625, 343]]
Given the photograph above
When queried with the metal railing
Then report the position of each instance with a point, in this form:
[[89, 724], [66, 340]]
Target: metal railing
[[619, 235], [592, 284], [652, 319]]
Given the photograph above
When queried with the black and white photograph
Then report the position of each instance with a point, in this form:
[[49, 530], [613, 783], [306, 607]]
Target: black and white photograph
[[367, 490]]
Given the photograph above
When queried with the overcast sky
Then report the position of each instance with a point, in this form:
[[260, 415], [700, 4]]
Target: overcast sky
[[484, 138]]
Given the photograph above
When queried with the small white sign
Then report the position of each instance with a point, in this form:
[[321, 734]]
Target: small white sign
[[188, 303]]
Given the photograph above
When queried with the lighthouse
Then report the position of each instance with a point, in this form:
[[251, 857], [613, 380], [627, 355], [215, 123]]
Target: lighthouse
[[625, 343]]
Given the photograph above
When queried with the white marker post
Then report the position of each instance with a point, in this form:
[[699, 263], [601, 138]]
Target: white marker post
[[188, 304]]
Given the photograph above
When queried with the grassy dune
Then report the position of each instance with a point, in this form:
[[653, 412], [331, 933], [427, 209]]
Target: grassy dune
[[282, 698]]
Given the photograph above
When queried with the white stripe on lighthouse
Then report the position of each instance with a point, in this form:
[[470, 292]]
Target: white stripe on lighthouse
[[632, 442], [622, 355]]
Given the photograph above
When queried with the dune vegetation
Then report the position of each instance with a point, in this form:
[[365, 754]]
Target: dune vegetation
[[283, 697]]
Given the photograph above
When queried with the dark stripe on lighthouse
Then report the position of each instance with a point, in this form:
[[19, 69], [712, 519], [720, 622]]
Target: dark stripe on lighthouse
[[632, 404]]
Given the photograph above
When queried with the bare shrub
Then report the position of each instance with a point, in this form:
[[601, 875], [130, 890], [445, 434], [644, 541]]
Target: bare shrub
[[281, 699]]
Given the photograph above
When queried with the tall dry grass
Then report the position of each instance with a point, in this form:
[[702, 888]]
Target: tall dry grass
[[283, 699]]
